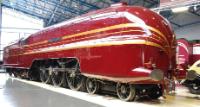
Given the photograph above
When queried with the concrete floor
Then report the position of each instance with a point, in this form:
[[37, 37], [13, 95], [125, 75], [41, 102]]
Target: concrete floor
[[22, 93], [14, 93]]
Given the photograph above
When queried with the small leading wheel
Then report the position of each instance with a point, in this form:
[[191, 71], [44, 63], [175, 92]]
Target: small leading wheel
[[10, 74], [58, 78], [74, 79], [92, 86], [194, 89], [126, 92], [45, 75]]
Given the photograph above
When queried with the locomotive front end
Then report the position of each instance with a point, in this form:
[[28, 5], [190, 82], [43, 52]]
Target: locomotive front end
[[158, 52], [152, 59]]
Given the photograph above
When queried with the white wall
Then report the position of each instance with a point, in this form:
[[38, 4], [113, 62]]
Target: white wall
[[12, 19]]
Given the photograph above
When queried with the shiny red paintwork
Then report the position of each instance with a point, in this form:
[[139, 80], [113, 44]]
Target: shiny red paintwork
[[104, 59], [188, 53], [196, 52]]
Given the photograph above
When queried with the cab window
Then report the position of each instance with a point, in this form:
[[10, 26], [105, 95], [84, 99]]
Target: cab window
[[23, 42]]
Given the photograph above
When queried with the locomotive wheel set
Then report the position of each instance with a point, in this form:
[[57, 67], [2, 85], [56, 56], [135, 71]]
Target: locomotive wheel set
[[116, 47]]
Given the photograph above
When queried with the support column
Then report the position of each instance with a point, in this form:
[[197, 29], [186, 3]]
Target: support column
[[1, 50]]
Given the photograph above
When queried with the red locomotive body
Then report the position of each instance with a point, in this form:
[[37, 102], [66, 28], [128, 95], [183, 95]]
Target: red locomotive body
[[188, 57], [188, 54], [184, 55], [196, 51], [123, 44]]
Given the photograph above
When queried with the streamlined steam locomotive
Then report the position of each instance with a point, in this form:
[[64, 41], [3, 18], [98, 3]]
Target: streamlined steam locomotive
[[129, 48]]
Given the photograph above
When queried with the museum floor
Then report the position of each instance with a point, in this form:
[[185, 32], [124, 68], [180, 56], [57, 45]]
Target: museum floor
[[16, 92]]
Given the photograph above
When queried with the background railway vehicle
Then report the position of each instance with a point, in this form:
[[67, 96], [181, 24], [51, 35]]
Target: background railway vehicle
[[118, 46], [184, 57], [189, 64]]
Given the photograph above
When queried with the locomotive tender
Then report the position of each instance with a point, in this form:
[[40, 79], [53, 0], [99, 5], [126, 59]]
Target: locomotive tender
[[129, 48]]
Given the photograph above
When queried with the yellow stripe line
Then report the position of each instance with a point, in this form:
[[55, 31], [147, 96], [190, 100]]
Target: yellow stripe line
[[92, 36], [103, 29], [100, 30], [38, 43], [160, 33], [110, 34], [115, 43], [154, 37]]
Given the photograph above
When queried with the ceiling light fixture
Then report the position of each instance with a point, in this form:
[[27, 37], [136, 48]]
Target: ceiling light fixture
[[180, 9]]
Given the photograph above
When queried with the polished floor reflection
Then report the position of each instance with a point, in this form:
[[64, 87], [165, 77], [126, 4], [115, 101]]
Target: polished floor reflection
[[22, 93], [14, 93]]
